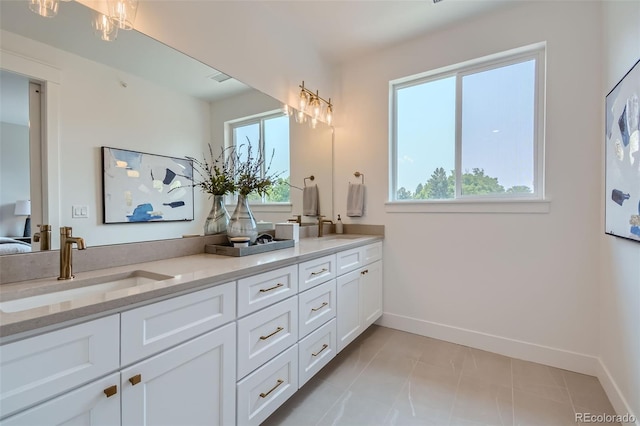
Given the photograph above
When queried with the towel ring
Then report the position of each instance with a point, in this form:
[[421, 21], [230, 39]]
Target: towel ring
[[311, 178], [359, 175]]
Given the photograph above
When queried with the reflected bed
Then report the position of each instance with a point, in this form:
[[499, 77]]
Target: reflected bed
[[11, 246]]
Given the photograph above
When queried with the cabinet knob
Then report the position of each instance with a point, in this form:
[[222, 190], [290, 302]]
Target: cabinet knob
[[111, 390], [135, 379], [366, 271]]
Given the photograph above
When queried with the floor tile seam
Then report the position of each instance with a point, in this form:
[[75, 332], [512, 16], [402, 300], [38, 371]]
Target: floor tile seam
[[573, 405]]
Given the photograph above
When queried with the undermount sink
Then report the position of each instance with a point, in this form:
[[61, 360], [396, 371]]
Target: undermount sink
[[60, 292]]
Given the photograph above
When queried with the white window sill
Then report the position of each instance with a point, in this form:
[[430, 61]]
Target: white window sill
[[266, 208], [469, 206]]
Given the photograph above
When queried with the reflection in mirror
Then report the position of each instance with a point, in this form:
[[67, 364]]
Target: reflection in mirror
[[137, 94]]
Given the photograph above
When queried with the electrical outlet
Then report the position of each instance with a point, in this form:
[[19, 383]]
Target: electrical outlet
[[81, 212]]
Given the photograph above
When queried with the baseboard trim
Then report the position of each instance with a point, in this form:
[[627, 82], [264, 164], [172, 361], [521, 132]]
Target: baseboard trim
[[612, 390], [554, 357]]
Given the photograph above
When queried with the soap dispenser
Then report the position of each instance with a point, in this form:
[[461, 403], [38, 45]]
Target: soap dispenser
[[339, 229]]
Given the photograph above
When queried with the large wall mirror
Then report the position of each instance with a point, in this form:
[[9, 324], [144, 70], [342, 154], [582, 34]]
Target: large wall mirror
[[134, 93]]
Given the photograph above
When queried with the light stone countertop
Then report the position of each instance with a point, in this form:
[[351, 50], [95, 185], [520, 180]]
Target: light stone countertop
[[189, 273]]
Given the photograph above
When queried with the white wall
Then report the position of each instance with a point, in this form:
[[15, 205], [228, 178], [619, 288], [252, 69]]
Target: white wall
[[525, 285], [14, 176], [620, 277], [95, 110]]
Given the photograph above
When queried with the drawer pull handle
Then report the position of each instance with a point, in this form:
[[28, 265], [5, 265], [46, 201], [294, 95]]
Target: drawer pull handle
[[320, 307], [278, 330], [264, 290], [111, 390], [321, 271], [325, 346], [366, 271], [264, 395], [135, 379]]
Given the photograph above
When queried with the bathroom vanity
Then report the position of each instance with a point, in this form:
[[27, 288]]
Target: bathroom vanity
[[221, 341]]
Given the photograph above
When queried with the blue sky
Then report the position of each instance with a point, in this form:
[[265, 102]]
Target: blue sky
[[497, 126]]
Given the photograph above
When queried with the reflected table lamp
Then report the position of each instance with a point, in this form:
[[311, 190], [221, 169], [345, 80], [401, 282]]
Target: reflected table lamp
[[23, 208]]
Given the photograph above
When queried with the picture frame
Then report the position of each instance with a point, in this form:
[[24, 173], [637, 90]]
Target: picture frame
[[622, 157], [139, 187]]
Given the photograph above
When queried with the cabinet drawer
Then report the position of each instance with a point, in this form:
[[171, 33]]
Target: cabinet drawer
[[263, 391], [265, 334], [40, 367], [150, 329], [371, 253], [349, 260], [316, 306], [316, 271], [316, 350], [265, 289], [88, 402]]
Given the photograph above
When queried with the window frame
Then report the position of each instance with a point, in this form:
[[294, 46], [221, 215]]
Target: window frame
[[259, 119], [536, 52]]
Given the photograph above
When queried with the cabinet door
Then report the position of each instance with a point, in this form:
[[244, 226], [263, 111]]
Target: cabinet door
[[191, 384], [348, 313], [371, 293], [44, 366], [88, 405]]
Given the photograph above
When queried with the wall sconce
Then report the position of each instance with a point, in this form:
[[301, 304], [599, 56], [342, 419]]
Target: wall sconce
[[23, 208], [104, 27], [121, 15], [312, 104], [46, 8], [123, 12]]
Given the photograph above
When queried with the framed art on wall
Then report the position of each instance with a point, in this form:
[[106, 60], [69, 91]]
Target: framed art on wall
[[139, 187], [622, 157]]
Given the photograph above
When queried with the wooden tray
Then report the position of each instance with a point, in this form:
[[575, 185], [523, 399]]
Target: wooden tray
[[229, 250]]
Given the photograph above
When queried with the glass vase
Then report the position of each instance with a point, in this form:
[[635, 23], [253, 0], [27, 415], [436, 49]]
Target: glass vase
[[242, 223], [218, 219]]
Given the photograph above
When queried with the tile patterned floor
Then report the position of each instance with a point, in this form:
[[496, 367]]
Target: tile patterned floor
[[389, 377]]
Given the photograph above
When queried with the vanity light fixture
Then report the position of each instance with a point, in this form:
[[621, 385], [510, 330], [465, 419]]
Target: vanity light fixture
[[123, 12], [104, 27], [121, 15], [312, 104], [46, 8]]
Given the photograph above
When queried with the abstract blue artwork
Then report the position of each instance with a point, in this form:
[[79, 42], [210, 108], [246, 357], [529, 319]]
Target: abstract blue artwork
[[622, 174], [139, 187]]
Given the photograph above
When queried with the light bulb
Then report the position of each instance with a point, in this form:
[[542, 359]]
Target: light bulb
[[304, 99], [316, 107], [46, 8], [123, 12], [329, 115], [104, 27]]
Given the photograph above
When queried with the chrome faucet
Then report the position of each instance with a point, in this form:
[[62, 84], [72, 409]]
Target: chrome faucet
[[43, 236], [321, 223], [66, 260]]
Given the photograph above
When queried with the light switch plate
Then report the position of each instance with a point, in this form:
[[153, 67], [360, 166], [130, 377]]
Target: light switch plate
[[80, 212]]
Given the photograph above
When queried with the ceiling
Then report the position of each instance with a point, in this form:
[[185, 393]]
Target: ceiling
[[340, 30]]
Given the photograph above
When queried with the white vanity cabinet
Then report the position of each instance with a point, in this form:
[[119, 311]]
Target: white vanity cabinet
[[190, 384], [169, 362], [359, 292], [41, 367]]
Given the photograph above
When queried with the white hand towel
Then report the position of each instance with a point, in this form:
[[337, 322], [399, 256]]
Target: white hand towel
[[355, 200], [310, 200]]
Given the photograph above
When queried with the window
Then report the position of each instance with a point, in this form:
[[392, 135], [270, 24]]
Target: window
[[469, 132], [270, 134]]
